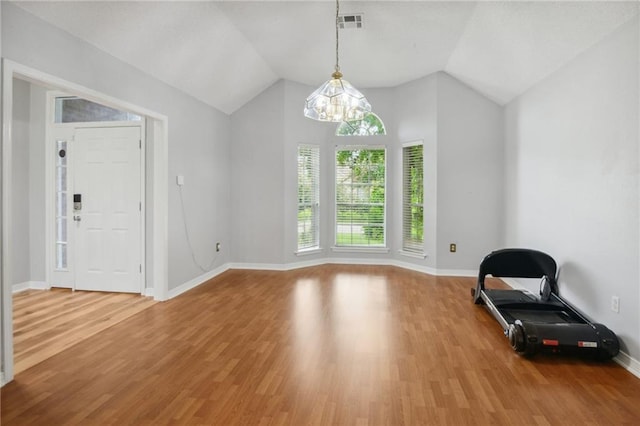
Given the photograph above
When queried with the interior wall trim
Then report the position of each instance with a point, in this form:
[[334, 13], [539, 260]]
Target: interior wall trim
[[356, 261], [30, 285], [195, 282], [630, 364]]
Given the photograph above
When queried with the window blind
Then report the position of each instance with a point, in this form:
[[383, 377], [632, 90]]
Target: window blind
[[413, 197], [360, 196], [308, 197]]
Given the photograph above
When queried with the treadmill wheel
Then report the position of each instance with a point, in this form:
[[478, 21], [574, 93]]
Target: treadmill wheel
[[516, 337]]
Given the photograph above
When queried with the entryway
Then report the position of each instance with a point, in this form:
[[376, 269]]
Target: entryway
[[98, 226], [22, 199]]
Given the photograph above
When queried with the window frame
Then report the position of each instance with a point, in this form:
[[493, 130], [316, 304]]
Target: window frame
[[382, 248], [410, 247], [88, 112], [314, 204]]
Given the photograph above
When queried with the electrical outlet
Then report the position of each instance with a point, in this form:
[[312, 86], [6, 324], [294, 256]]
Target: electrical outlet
[[218, 247], [453, 247], [180, 180], [615, 304]]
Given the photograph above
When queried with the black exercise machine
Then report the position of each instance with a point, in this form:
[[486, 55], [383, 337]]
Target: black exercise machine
[[538, 323]]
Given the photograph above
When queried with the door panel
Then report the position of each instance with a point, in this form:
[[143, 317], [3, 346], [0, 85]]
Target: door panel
[[107, 234]]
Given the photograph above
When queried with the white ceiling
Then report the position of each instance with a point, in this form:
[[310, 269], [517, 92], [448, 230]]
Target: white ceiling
[[226, 52]]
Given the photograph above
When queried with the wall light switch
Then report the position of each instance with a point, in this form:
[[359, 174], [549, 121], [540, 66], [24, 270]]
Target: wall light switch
[[180, 180], [615, 304]]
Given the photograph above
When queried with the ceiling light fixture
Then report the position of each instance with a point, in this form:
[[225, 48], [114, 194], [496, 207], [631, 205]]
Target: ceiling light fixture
[[336, 100]]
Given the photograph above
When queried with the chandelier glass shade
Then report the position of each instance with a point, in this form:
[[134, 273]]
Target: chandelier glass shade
[[336, 100]]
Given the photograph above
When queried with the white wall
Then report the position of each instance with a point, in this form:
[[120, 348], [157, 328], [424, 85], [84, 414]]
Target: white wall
[[28, 182], [470, 175], [20, 183], [199, 135], [463, 155], [572, 179], [416, 118], [257, 176], [199, 150], [36, 190]]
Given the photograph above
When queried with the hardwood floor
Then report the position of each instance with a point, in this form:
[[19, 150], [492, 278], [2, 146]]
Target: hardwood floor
[[48, 322], [332, 345]]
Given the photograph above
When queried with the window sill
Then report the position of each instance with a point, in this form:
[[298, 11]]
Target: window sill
[[360, 249], [308, 252], [413, 254]]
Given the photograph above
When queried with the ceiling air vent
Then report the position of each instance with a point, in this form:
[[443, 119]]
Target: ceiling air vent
[[351, 21]]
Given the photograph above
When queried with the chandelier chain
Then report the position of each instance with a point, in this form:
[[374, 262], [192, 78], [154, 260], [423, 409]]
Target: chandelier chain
[[337, 43]]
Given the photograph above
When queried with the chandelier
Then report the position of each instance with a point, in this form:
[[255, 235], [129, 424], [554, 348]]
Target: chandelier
[[336, 100]]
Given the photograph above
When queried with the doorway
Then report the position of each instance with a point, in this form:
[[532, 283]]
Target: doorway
[[96, 235], [154, 261]]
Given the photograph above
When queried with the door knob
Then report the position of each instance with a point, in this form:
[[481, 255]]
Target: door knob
[[77, 218]]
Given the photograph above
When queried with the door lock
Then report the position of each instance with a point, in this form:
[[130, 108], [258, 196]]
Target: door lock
[[77, 202], [77, 218]]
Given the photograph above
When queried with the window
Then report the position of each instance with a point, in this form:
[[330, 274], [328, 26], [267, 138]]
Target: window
[[70, 109], [360, 197], [370, 125], [61, 205], [308, 197], [413, 198]]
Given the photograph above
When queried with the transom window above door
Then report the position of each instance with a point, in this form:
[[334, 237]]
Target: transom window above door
[[71, 109]]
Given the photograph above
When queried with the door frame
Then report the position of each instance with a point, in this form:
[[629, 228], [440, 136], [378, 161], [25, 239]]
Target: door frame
[[50, 135], [157, 142]]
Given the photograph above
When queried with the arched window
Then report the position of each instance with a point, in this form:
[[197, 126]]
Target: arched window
[[370, 125]]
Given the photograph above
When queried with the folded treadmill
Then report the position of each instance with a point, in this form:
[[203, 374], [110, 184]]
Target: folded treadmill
[[544, 323]]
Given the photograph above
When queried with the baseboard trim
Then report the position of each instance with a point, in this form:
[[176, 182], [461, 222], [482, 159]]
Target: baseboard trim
[[2, 382], [513, 283], [29, 285], [355, 261], [195, 282], [630, 364], [413, 267], [262, 266], [472, 273], [17, 288]]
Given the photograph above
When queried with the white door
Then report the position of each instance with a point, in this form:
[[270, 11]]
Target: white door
[[107, 225]]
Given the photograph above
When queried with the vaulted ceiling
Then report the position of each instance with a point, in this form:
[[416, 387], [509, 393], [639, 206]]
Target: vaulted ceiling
[[226, 52]]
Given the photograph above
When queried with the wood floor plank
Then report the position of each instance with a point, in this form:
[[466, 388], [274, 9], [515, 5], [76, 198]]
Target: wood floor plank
[[48, 322], [326, 345]]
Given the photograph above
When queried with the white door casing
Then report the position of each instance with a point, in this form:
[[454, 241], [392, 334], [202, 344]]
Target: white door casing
[[107, 229]]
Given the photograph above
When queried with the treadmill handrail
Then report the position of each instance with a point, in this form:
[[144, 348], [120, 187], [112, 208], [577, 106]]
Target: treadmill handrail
[[516, 263]]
